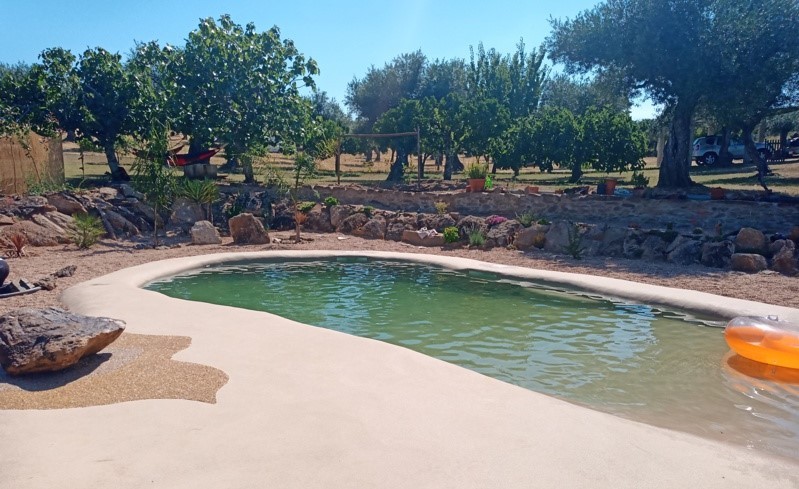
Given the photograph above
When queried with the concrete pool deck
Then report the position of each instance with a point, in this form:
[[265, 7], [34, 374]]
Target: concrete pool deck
[[308, 407]]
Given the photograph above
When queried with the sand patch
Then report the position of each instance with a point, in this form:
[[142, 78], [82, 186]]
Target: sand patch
[[132, 368]]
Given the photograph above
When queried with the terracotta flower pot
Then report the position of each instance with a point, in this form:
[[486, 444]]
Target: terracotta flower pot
[[477, 184], [610, 186], [531, 189]]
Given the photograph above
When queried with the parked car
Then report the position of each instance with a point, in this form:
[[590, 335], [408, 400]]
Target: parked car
[[706, 150]]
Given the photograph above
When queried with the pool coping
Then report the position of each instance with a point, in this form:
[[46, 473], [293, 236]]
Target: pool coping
[[325, 409]]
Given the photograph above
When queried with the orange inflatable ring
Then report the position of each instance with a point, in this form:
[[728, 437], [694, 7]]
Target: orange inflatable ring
[[764, 340]]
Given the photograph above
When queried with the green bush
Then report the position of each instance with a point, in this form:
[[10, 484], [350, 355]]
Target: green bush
[[477, 237], [477, 171], [368, 210], [451, 234], [331, 201], [441, 208], [526, 219], [87, 230], [306, 206], [575, 246]]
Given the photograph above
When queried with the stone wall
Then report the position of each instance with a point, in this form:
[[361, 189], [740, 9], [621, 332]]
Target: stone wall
[[684, 215]]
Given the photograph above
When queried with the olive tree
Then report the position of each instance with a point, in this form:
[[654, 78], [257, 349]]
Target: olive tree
[[240, 87]]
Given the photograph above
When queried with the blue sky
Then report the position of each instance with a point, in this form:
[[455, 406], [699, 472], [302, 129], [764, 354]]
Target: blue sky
[[345, 38]]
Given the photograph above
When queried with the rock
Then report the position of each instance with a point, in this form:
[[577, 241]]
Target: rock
[[750, 240], [439, 222], [557, 238], [653, 248], [67, 271], [64, 221], [204, 233], [717, 254], [785, 259], [534, 236], [375, 228], [25, 206], [612, 241], [352, 223], [748, 262], [340, 212], [184, 214], [421, 238], [776, 246], [130, 193], [121, 225], [147, 212], [502, 234], [469, 224], [51, 339], [6, 220], [794, 236], [684, 251], [247, 229], [57, 231], [66, 204], [47, 283], [318, 220], [399, 223], [633, 242], [36, 235]]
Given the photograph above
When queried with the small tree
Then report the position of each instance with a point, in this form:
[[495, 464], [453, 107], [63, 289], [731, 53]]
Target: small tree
[[153, 178]]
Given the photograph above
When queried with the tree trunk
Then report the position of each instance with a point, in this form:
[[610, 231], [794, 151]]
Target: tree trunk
[[368, 155], [577, 173], [753, 155], [113, 160], [246, 167], [725, 157], [674, 170], [398, 167], [449, 166], [439, 161], [393, 153], [784, 142], [661, 144], [377, 155], [457, 164]]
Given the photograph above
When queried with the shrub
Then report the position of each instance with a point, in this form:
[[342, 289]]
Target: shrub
[[639, 180], [15, 244], [368, 210], [477, 171], [526, 219], [87, 231], [441, 208], [234, 209], [451, 234], [492, 221], [305, 207], [477, 237], [575, 245], [544, 222], [331, 201]]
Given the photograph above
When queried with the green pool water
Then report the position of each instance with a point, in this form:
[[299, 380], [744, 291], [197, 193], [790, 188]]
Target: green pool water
[[660, 367]]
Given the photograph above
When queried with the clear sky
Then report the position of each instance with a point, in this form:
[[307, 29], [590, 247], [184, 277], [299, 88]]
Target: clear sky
[[345, 38]]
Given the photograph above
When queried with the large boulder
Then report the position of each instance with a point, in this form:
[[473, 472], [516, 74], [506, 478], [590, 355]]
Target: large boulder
[[439, 222], [423, 238], [654, 248], [531, 237], [684, 251], [399, 223], [36, 234], [557, 239], [352, 223], [502, 234], [204, 233], [717, 254], [750, 240], [375, 228], [748, 262], [185, 213], [318, 220], [469, 224], [247, 229], [66, 204], [59, 232], [611, 241], [338, 213], [785, 259], [51, 339]]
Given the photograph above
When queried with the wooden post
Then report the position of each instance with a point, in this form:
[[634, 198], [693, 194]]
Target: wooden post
[[420, 166], [338, 162]]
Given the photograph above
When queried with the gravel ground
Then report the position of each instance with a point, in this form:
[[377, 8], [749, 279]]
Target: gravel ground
[[108, 256]]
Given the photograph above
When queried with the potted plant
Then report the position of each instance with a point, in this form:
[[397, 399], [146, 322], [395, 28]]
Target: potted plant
[[476, 174], [610, 186]]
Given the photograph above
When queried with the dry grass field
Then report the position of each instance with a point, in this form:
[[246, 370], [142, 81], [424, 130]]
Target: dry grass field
[[355, 170]]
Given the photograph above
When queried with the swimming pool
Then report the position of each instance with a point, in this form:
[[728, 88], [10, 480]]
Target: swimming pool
[[661, 367]]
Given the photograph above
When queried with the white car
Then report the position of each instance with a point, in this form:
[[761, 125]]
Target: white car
[[706, 150]]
